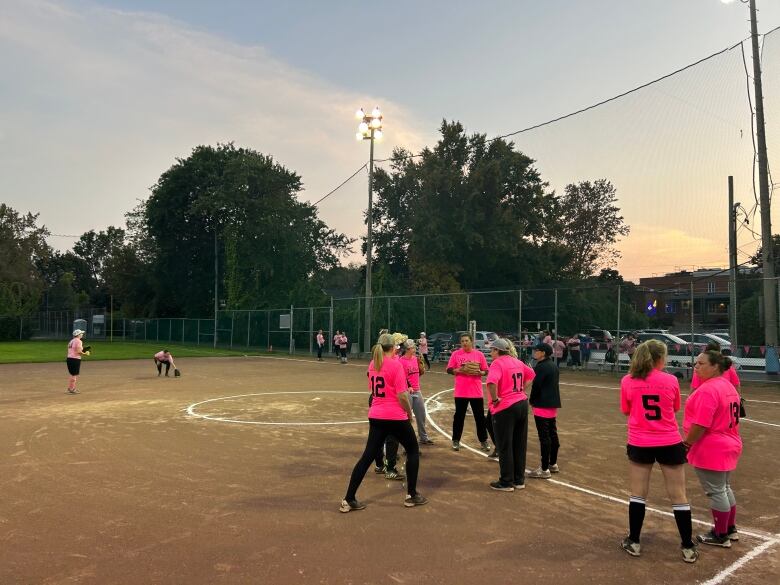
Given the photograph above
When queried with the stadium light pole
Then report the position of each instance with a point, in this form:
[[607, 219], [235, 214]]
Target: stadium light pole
[[369, 128]]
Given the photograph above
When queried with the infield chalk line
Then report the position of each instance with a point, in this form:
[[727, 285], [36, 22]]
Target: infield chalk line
[[623, 501], [740, 562], [191, 409]]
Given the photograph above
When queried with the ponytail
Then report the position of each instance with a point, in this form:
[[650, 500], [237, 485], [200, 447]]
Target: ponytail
[[384, 344], [716, 358], [645, 357]]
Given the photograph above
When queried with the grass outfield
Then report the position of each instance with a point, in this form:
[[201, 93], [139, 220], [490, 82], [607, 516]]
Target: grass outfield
[[12, 352]]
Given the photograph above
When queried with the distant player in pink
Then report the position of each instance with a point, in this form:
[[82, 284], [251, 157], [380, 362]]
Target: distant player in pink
[[711, 427], [411, 364], [650, 397], [389, 415], [468, 390], [320, 344], [163, 357], [76, 349], [423, 343], [507, 382]]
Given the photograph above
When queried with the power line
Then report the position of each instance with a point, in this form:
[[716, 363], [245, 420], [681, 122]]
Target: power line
[[347, 180]]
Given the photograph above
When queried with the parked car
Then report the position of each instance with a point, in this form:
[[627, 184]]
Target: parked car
[[653, 331], [702, 339], [670, 340], [483, 340], [722, 333], [598, 335]]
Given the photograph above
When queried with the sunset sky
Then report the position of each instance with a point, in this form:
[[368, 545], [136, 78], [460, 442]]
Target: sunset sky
[[100, 97]]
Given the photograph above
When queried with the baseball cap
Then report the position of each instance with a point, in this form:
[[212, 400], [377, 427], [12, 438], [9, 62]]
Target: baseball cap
[[545, 347], [409, 343], [77, 332], [500, 344]]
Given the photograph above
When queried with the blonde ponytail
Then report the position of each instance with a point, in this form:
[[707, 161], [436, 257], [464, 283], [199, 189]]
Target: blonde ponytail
[[384, 344], [646, 356]]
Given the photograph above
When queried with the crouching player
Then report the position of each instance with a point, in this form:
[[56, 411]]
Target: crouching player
[[164, 357]]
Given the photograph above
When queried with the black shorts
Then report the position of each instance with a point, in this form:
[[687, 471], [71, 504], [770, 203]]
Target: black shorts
[[74, 366], [665, 455]]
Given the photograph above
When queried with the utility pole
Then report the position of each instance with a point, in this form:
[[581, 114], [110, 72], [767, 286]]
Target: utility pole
[[216, 296], [770, 309], [733, 268]]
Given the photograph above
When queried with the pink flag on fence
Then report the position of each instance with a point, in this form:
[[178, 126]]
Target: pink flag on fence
[[746, 349], [762, 349]]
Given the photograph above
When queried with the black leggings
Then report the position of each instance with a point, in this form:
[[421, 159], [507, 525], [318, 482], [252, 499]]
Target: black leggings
[[159, 364], [378, 431], [477, 409], [548, 440]]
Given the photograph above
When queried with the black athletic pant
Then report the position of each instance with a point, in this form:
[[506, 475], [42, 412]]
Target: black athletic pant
[[511, 428], [477, 409], [489, 426], [387, 450], [159, 366], [319, 352], [548, 440], [378, 431]]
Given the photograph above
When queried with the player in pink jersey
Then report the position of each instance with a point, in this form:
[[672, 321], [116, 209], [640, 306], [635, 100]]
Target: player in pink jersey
[[320, 344], [163, 357], [75, 351], [507, 382], [730, 374], [413, 372], [649, 397], [711, 427], [423, 343], [390, 414], [468, 390]]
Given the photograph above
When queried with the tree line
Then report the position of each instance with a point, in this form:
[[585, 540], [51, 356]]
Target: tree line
[[468, 213]]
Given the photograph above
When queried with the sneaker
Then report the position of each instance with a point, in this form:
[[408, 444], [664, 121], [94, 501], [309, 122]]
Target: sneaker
[[456, 445], [631, 547], [485, 446], [379, 469], [427, 442], [714, 539], [733, 534], [554, 468], [494, 455], [519, 486], [502, 487], [690, 555], [539, 473], [416, 500], [394, 474], [73, 391], [351, 506]]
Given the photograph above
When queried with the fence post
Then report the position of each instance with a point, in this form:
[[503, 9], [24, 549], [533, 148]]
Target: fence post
[[468, 309], [311, 330], [389, 328], [330, 325], [170, 330], [690, 347], [617, 333], [556, 314], [198, 331], [248, 325], [268, 328], [292, 340], [21, 326], [425, 316], [145, 321], [360, 327], [520, 314]]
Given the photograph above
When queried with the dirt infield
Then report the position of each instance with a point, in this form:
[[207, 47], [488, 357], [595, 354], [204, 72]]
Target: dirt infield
[[120, 484]]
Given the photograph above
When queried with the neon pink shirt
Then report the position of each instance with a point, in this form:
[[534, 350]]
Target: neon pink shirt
[[386, 385], [320, 339], [715, 406], [730, 375], [75, 347], [544, 412], [412, 372], [467, 386], [558, 347], [509, 375], [161, 357], [423, 343], [650, 405], [343, 341]]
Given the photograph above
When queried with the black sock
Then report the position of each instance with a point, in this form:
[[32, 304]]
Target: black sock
[[682, 515], [636, 517]]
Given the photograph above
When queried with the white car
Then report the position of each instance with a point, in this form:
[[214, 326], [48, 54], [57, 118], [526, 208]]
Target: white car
[[705, 338]]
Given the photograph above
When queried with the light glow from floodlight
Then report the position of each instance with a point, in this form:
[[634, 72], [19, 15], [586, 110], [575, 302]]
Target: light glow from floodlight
[[363, 127], [377, 134], [375, 113], [360, 114]]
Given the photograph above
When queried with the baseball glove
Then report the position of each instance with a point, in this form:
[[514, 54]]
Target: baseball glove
[[176, 373], [86, 348], [471, 368], [420, 365]]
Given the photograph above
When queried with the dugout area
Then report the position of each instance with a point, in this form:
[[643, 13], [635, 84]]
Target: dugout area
[[121, 484]]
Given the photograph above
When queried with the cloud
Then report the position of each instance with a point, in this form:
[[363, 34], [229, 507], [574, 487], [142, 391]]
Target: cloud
[[99, 102]]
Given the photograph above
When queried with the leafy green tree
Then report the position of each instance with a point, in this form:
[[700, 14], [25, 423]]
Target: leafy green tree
[[270, 246], [590, 226], [22, 247], [467, 213]]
